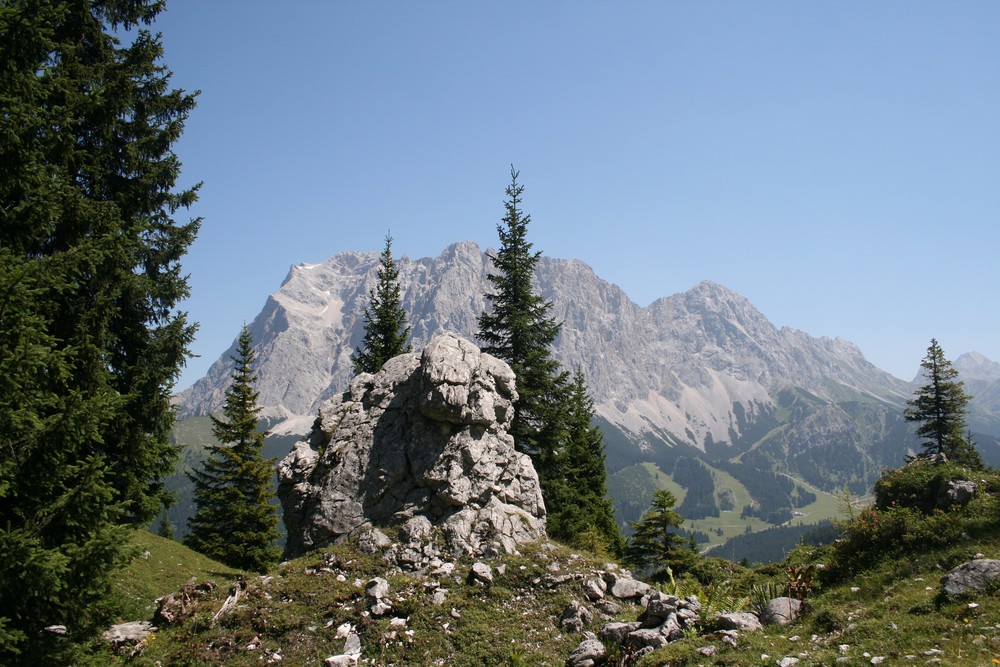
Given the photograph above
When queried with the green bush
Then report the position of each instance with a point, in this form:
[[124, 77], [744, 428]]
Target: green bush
[[919, 485]]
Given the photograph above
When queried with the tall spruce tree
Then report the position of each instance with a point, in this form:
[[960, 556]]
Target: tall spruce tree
[[940, 407], [386, 331], [655, 543], [519, 330], [235, 521], [91, 341], [579, 507]]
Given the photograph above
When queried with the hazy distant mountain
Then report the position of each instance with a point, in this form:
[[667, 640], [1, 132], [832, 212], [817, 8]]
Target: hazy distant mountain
[[700, 375], [982, 380], [974, 367]]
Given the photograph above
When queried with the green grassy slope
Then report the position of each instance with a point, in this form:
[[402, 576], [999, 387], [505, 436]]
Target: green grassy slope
[[874, 594], [161, 567]]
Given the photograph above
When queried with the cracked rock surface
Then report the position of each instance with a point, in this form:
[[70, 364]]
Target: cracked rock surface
[[425, 438]]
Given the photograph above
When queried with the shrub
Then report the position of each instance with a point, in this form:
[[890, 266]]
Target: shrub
[[919, 485]]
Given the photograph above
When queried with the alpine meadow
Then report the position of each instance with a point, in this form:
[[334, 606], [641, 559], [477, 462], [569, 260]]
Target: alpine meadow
[[458, 449]]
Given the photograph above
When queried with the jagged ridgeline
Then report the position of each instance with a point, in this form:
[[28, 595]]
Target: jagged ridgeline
[[747, 424]]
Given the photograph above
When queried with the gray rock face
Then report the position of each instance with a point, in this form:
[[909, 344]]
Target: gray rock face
[[781, 611], [974, 575], [743, 621], [624, 587], [126, 634], [589, 653], [481, 573], [422, 445], [957, 492], [701, 366], [575, 617], [616, 632]]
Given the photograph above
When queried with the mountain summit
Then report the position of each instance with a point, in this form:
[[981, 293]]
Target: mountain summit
[[702, 372]]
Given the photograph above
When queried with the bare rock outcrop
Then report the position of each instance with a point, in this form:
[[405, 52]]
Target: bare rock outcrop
[[781, 611], [423, 441], [973, 576]]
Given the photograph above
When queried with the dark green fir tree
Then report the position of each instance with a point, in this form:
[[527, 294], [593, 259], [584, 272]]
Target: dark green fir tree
[[939, 407], [91, 338], [655, 543], [235, 521], [520, 330], [581, 513], [386, 331], [166, 527]]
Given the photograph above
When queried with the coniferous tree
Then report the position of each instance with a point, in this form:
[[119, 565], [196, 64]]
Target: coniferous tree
[[579, 501], [91, 341], [656, 543], [385, 320], [519, 330], [940, 407], [166, 527], [235, 522]]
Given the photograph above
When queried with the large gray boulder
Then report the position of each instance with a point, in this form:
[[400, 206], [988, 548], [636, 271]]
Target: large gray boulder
[[589, 653], [743, 621], [975, 576], [427, 437], [781, 611]]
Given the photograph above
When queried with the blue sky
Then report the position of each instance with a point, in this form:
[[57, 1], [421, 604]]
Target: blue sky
[[837, 163]]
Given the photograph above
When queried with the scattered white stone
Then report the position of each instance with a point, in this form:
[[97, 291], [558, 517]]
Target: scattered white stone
[[352, 646], [843, 648], [341, 661], [855, 589], [788, 661], [481, 573], [445, 570], [878, 659], [123, 634]]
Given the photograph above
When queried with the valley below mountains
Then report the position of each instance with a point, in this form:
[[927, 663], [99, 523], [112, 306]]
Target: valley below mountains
[[749, 424]]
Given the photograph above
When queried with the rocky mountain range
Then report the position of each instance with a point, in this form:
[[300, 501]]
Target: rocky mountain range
[[700, 375]]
